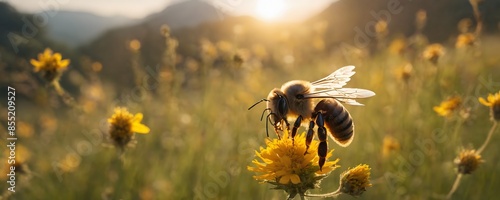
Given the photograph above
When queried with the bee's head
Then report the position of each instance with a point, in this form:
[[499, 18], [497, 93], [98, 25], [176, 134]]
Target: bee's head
[[295, 91], [278, 104]]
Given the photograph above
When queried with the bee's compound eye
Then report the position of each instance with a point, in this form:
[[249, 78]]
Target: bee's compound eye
[[299, 96], [282, 106]]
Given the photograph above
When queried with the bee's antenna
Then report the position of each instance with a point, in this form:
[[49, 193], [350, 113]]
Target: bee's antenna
[[262, 116], [257, 103], [268, 119]]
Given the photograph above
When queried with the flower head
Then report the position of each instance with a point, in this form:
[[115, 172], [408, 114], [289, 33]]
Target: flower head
[[447, 107], [397, 46], [19, 162], [50, 64], [381, 28], [355, 181], [465, 40], [468, 161], [390, 144], [123, 125], [493, 101], [404, 73], [284, 164], [433, 52]]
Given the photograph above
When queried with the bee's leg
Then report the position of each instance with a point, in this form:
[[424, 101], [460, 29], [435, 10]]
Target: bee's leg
[[309, 136], [323, 146], [296, 126], [287, 125]]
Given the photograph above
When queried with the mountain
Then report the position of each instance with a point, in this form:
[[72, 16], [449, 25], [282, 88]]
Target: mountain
[[21, 39], [349, 20], [77, 28], [185, 14], [111, 47]]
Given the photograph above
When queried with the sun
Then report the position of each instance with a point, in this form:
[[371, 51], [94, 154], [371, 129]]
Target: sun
[[270, 9]]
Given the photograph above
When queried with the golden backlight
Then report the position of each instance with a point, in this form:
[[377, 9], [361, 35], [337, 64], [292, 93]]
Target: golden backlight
[[270, 10]]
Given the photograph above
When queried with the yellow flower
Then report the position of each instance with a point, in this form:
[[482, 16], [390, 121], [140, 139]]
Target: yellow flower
[[397, 46], [494, 103], [468, 161], [433, 52], [51, 64], [381, 27], [284, 164], [135, 45], [19, 162], [124, 125], [447, 107], [390, 144], [355, 181], [404, 73], [465, 39]]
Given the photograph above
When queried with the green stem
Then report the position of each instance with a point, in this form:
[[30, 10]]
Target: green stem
[[455, 186], [331, 194], [456, 138], [488, 138]]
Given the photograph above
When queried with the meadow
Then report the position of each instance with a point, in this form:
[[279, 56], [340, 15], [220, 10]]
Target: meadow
[[202, 135]]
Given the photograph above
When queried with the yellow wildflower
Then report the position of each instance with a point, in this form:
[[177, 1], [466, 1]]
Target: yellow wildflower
[[355, 181], [135, 45], [465, 40], [404, 73], [284, 164], [433, 52], [493, 101], [420, 19], [390, 144], [381, 28], [397, 46], [50, 64], [124, 125], [19, 162], [468, 161], [447, 107]]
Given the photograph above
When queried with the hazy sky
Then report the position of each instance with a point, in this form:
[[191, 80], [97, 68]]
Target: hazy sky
[[264, 9]]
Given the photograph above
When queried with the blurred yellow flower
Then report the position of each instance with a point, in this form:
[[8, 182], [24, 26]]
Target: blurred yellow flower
[[447, 107], [433, 52], [124, 125], [135, 45], [390, 144], [51, 64], [284, 164], [21, 158], [397, 46], [381, 27], [420, 19], [468, 161], [404, 73], [465, 40], [355, 181], [493, 101], [69, 163]]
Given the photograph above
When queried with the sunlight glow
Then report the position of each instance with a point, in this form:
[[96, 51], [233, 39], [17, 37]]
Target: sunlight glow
[[270, 9]]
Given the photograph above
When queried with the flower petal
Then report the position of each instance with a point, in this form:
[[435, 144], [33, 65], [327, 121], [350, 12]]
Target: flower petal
[[285, 179], [140, 128], [137, 118], [295, 178], [64, 63], [484, 102]]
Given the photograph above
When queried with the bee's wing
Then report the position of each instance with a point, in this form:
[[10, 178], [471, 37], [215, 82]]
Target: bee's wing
[[331, 87], [345, 95], [337, 79]]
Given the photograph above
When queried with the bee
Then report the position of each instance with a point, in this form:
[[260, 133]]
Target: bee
[[297, 99]]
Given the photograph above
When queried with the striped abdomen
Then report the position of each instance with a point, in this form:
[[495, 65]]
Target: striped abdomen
[[337, 120]]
